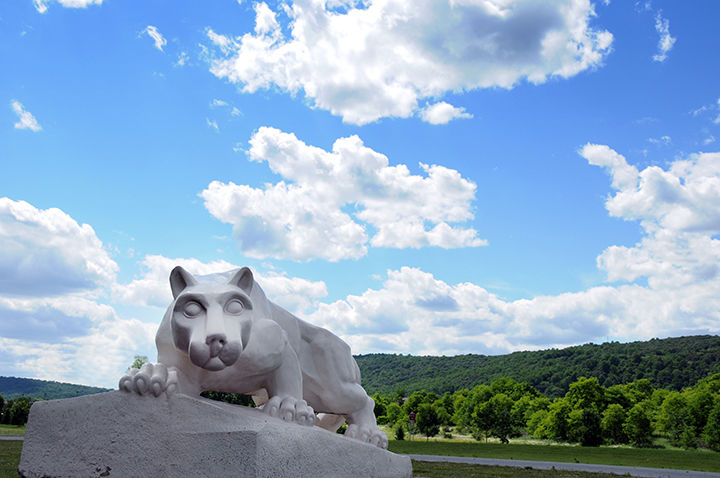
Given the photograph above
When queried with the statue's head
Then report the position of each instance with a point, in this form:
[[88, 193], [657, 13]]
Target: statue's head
[[211, 321]]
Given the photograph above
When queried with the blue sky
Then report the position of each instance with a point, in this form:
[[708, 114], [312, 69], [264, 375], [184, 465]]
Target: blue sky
[[425, 177]]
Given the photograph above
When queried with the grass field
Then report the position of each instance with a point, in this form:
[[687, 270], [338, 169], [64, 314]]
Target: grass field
[[699, 460], [9, 458], [428, 469], [12, 431]]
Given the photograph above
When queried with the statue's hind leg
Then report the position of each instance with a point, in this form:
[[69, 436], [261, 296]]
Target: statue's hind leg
[[362, 425], [331, 383]]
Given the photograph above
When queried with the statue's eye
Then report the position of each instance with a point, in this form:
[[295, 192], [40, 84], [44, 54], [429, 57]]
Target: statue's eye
[[192, 309], [234, 307]]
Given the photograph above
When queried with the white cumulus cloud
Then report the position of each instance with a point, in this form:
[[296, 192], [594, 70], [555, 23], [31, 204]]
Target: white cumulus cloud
[[157, 37], [378, 59], [322, 206], [54, 274], [442, 112], [683, 198], [25, 119], [46, 252], [668, 284], [42, 5], [666, 41]]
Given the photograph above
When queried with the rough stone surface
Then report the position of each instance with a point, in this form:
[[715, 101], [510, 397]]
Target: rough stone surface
[[124, 435]]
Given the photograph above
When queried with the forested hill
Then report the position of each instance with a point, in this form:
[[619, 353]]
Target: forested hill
[[668, 363], [13, 387]]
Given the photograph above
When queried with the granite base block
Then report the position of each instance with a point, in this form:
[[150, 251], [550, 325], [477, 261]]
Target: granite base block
[[116, 434]]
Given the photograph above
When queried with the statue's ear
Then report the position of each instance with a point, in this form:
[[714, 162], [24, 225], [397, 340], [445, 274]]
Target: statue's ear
[[179, 280], [243, 279]]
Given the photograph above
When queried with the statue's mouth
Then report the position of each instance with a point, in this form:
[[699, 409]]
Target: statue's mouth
[[214, 364], [214, 358]]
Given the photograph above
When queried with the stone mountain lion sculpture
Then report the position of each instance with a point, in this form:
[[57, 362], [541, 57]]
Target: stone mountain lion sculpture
[[229, 337]]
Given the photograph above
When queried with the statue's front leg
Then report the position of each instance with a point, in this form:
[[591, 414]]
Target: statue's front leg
[[284, 387], [269, 355]]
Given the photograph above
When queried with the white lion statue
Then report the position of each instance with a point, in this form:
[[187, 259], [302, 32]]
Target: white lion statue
[[228, 337]]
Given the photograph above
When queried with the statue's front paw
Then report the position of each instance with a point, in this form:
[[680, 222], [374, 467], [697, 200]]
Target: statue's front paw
[[371, 434], [290, 409], [150, 379]]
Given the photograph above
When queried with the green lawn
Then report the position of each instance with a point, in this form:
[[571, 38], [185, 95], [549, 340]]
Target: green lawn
[[9, 458], [12, 431], [460, 470], [699, 460]]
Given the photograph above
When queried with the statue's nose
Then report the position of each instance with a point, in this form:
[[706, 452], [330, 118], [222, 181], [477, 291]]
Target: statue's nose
[[216, 343]]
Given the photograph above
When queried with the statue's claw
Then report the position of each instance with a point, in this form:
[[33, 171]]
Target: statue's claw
[[150, 379], [371, 434], [290, 409]]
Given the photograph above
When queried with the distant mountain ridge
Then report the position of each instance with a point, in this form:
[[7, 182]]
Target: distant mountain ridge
[[671, 363], [14, 387]]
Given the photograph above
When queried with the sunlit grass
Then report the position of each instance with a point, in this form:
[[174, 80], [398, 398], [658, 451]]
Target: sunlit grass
[[700, 460], [12, 430], [428, 469], [10, 457]]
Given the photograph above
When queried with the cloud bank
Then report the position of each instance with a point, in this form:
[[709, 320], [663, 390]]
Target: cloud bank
[[334, 204], [53, 275], [47, 253], [367, 60], [668, 284]]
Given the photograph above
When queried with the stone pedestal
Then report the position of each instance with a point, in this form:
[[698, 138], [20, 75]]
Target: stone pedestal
[[126, 435]]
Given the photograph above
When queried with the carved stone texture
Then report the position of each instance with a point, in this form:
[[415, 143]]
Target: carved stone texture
[[221, 333], [122, 435]]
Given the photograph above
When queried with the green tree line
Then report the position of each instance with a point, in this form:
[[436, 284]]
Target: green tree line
[[15, 411], [670, 364], [589, 413]]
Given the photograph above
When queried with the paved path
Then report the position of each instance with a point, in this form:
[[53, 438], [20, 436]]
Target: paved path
[[547, 465], [12, 438]]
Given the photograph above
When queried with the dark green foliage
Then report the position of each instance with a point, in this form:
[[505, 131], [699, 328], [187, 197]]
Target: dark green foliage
[[671, 364], [638, 426], [427, 420], [393, 413], [556, 422], [445, 407], [413, 402], [380, 405], [233, 398], [584, 426], [586, 393], [674, 417], [16, 411], [502, 425], [13, 387], [612, 422], [711, 432], [399, 432], [139, 361]]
